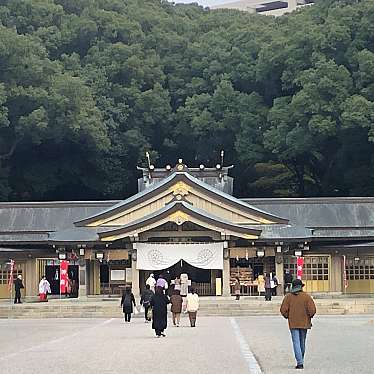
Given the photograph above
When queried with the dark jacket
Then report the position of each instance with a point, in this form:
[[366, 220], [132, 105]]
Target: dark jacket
[[176, 303], [145, 300], [127, 306], [287, 278], [299, 309], [18, 285], [159, 304], [267, 282]]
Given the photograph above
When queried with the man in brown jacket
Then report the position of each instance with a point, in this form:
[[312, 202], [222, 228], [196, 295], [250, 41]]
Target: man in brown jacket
[[299, 308]]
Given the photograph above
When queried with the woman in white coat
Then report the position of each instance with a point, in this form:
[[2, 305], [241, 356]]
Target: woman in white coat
[[44, 289], [192, 306]]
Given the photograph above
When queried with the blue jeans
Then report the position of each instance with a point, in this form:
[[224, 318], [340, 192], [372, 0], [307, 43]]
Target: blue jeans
[[298, 341]]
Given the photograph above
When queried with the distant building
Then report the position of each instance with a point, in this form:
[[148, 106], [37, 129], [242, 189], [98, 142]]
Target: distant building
[[266, 7]]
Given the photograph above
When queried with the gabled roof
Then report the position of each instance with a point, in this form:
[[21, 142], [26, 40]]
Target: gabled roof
[[181, 206], [166, 184]]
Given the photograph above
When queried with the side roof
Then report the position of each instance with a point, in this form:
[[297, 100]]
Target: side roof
[[347, 212], [47, 216]]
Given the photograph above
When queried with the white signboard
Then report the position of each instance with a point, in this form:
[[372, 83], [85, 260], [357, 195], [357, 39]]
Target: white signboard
[[128, 275], [117, 275], [158, 256]]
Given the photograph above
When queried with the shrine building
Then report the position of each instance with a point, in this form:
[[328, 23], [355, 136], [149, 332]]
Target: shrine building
[[186, 220]]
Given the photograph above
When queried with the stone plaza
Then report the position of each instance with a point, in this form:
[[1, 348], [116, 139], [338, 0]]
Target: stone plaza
[[336, 344]]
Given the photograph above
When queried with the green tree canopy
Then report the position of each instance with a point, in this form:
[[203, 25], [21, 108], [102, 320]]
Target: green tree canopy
[[88, 86]]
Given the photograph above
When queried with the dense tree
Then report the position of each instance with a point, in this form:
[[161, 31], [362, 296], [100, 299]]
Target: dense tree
[[88, 86]]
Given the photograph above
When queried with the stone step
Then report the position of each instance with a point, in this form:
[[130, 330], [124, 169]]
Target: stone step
[[215, 307]]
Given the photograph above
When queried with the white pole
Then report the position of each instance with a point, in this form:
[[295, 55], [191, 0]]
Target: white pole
[[11, 297], [11, 285]]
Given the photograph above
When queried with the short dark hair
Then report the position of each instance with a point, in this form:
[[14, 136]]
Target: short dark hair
[[192, 290]]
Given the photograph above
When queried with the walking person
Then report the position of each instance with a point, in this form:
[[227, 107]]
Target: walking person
[[151, 282], [237, 288], [287, 281], [267, 287], [176, 307], [127, 303], [161, 282], [274, 284], [299, 308], [192, 306], [159, 304], [18, 284], [145, 301], [44, 289]]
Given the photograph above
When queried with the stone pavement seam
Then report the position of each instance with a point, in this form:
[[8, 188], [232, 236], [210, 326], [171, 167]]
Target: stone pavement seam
[[254, 367], [54, 341]]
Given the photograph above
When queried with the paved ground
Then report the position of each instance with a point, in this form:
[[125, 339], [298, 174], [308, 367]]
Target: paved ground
[[217, 345]]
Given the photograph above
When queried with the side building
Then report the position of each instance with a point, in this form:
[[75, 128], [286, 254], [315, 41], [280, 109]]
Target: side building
[[186, 220], [266, 7]]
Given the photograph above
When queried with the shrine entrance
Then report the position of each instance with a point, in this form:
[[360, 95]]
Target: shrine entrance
[[52, 273], [203, 280]]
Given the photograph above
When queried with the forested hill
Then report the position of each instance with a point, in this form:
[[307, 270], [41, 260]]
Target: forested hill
[[87, 86]]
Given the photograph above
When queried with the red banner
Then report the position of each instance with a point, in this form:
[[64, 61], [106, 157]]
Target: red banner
[[63, 275], [10, 280], [300, 264]]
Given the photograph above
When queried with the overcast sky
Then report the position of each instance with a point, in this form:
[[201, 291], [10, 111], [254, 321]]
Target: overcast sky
[[205, 2]]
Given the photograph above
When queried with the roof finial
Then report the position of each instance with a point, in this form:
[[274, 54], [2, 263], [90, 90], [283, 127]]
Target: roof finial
[[148, 158]]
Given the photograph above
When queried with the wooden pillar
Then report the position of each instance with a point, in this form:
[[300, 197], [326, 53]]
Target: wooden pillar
[[279, 272], [31, 281], [336, 273], [83, 279], [135, 276], [226, 291], [94, 285]]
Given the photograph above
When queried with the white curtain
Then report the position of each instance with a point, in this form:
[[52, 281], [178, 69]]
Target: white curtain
[[159, 256]]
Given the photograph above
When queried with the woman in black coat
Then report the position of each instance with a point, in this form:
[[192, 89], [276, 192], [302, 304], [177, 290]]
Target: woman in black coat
[[159, 304], [127, 302]]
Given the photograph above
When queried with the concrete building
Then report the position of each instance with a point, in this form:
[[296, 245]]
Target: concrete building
[[265, 7], [186, 220]]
